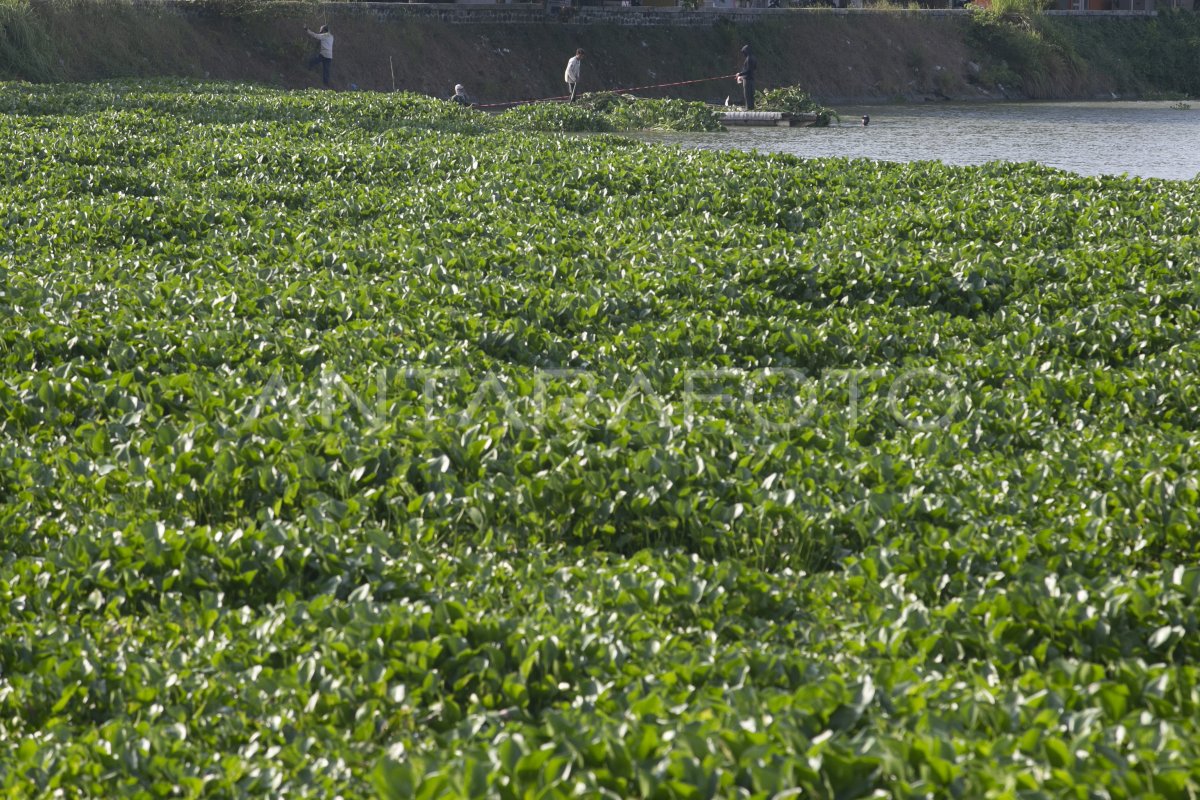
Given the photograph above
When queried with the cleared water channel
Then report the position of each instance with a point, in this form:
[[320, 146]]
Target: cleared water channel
[[1141, 139]]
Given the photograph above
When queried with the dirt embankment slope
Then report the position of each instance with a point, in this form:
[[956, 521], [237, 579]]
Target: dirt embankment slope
[[878, 56]]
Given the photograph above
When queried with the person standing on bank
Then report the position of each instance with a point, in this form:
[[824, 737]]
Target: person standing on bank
[[571, 76], [324, 56], [746, 77]]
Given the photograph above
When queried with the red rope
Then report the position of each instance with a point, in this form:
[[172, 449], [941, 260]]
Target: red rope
[[615, 91]]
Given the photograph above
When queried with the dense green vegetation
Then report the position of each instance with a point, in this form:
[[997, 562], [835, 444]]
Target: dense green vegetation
[[1048, 56], [607, 111], [348, 447], [1152, 57], [795, 100]]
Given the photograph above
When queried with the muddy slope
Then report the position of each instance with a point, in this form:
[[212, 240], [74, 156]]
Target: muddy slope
[[878, 56]]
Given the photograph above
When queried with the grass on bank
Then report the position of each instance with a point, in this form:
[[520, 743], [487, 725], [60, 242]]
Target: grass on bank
[[26, 48], [1041, 55]]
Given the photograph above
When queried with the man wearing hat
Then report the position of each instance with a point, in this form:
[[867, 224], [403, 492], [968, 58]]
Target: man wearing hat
[[571, 76], [746, 77], [460, 95]]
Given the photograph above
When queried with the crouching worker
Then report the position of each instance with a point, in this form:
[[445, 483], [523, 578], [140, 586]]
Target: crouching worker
[[460, 96]]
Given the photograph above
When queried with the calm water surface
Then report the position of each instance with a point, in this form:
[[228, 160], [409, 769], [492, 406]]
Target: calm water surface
[[1142, 139]]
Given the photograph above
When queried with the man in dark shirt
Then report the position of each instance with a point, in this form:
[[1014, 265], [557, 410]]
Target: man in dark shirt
[[746, 77]]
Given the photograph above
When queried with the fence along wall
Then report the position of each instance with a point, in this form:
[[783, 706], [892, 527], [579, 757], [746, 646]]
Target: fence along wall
[[628, 16], [609, 12]]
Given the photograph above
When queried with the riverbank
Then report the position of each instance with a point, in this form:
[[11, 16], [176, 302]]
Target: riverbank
[[869, 56]]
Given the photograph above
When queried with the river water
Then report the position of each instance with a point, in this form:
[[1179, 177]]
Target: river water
[[1141, 139]]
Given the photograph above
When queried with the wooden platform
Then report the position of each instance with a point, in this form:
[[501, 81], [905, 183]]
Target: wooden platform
[[770, 119]]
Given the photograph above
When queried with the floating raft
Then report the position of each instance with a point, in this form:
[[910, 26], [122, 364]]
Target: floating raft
[[770, 119]]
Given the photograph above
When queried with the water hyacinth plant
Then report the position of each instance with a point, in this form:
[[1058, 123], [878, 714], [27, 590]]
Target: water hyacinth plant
[[795, 100], [358, 445]]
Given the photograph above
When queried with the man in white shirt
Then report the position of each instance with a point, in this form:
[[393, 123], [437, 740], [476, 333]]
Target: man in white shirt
[[325, 56], [571, 76]]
